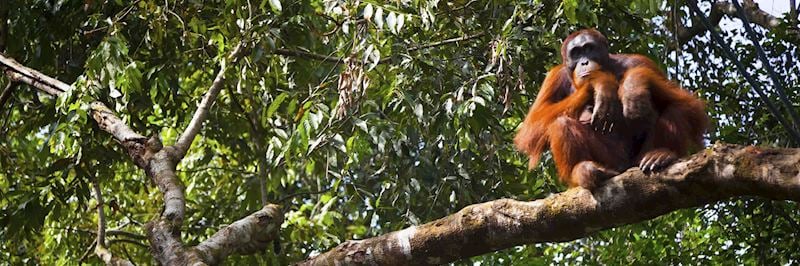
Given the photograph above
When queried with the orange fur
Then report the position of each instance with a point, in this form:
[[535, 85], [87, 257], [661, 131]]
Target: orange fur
[[554, 125], [533, 137], [660, 120], [681, 121]]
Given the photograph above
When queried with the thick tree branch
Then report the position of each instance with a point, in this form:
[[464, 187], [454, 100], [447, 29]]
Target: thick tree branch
[[135, 144], [249, 235], [162, 169], [185, 140], [243, 237], [722, 8], [138, 147], [38, 79], [165, 244], [19, 73], [101, 247], [715, 174], [164, 232], [105, 118]]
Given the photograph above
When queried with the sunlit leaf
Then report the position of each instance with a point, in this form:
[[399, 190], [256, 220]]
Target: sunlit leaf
[[276, 6], [379, 18], [368, 12]]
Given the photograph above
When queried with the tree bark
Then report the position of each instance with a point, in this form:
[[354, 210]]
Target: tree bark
[[715, 174]]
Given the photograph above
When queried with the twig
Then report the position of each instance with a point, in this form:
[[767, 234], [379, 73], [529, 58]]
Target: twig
[[89, 250], [125, 240], [125, 233], [7, 93], [447, 41], [284, 198], [319, 57], [458, 8], [436, 44], [334, 59], [232, 170], [117, 18]]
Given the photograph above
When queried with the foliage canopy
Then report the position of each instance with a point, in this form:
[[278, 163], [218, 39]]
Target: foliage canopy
[[365, 117]]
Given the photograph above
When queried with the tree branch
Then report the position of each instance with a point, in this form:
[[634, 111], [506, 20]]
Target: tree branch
[[19, 73], [776, 81], [755, 83], [36, 78], [249, 235], [162, 165], [185, 140], [125, 234], [242, 237], [436, 44], [101, 216], [162, 169], [7, 93], [334, 59], [309, 55], [129, 241], [165, 244], [159, 163], [447, 41], [133, 142], [721, 8], [719, 173], [101, 247]]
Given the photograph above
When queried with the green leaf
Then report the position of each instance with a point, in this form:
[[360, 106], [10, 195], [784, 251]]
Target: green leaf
[[570, 7], [275, 104], [276, 6]]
